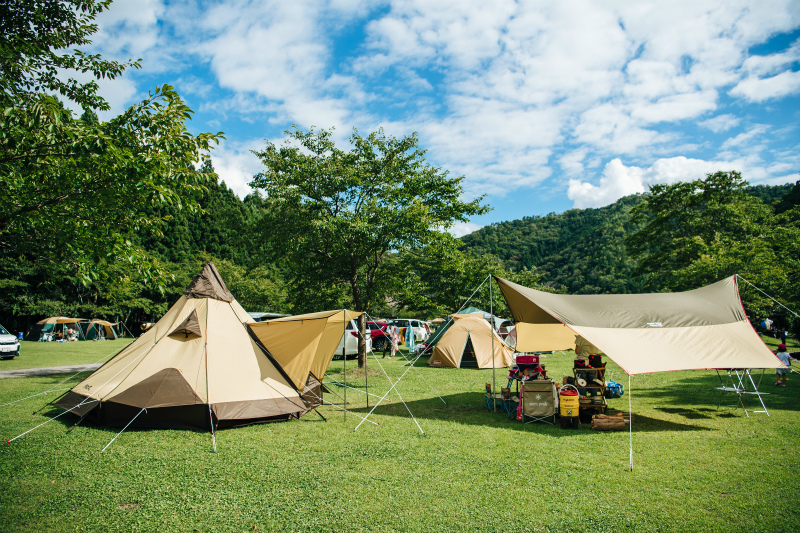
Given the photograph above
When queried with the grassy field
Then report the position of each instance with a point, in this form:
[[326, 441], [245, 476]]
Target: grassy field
[[697, 467]]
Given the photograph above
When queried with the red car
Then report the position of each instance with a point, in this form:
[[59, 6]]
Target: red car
[[379, 333]]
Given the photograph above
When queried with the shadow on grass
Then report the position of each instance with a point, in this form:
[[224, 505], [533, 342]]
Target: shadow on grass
[[699, 394], [469, 408]]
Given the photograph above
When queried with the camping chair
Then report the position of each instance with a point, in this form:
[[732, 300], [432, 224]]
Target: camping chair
[[539, 401], [503, 399]]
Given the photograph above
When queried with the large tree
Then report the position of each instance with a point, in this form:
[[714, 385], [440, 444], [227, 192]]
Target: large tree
[[338, 214], [75, 187], [698, 232]]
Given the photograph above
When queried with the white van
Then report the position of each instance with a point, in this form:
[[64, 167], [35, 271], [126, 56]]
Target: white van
[[349, 342], [9, 344]]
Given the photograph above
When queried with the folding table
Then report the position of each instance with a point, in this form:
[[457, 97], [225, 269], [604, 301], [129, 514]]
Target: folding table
[[740, 382]]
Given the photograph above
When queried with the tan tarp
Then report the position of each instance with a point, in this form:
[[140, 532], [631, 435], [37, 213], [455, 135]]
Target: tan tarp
[[475, 330], [108, 327], [698, 329], [304, 344], [222, 367], [61, 320]]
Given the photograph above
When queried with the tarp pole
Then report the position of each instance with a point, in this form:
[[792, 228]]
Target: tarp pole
[[344, 371], [491, 325], [630, 422]]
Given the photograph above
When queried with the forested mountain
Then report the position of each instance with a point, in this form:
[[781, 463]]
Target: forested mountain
[[580, 251]]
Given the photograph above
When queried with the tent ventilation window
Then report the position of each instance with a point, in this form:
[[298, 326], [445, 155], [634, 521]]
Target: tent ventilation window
[[190, 326]]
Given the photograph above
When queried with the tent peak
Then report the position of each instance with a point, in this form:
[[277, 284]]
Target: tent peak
[[208, 284]]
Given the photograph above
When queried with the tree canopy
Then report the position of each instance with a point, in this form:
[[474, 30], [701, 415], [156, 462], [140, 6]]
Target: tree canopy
[[75, 187], [696, 233], [338, 214]]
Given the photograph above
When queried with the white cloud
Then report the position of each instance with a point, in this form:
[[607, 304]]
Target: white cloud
[[720, 123], [676, 107], [510, 94], [761, 89], [236, 165], [619, 180], [747, 139], [129, 29], [460, 229]]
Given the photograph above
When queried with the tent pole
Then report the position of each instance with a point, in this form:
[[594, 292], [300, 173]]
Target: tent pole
[[363, 320], [630, 422]]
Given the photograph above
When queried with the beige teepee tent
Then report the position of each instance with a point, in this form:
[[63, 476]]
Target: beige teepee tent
[[304, 346], [469, 342], [196, 365]]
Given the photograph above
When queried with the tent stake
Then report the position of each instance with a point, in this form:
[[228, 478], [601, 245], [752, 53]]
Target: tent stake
[[79, 421], [213, 433], [344, 373]]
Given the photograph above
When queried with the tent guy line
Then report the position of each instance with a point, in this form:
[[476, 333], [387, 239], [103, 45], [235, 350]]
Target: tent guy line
[[82, 403], [431, 387], [767, 295]]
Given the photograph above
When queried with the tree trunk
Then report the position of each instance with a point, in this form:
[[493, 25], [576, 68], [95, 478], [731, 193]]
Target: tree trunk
[[362, 343]]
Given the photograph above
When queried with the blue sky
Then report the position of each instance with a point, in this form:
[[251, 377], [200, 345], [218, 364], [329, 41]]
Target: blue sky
[[542, 106]]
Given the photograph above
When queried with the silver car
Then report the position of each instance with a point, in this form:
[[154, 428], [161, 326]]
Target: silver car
[[9, 344]]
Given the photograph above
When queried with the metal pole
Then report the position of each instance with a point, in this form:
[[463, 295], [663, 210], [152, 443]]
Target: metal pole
[[630, 421], [491, 324], [344, 371], [362, 331]]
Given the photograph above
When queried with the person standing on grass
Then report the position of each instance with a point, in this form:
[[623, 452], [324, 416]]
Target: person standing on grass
[[395, 336], [781, 373], [388, 342]]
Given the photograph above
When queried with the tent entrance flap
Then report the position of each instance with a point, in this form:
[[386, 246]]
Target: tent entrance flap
[[468, 358]]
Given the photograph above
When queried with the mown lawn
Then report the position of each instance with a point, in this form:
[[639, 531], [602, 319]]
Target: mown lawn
[[696, 467]]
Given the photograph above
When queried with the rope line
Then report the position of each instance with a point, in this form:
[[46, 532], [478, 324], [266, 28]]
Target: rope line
[[415, 369], [9, 441], [34, 395], [767, 295], [123, 429]]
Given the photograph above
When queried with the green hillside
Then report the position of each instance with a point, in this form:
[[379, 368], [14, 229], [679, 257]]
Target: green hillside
[[580, 251]]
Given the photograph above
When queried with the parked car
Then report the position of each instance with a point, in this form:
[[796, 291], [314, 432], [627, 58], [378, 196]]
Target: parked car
[[420, 328], [380, 335], [9, 344], [349, 342]]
